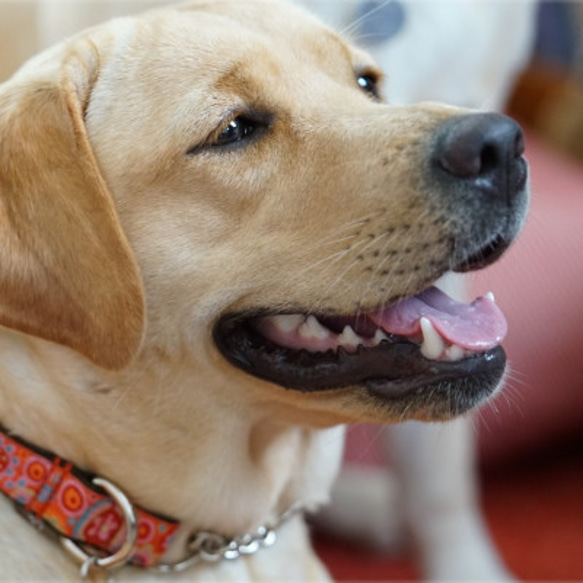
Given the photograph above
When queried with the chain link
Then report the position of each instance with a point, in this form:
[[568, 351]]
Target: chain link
[[211, 547]]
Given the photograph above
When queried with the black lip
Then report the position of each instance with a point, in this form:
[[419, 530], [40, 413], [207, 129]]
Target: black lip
[[487, 255], [394, 369]]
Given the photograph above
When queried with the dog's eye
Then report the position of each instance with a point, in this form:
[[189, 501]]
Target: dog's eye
[[237, 130], [369, 83]]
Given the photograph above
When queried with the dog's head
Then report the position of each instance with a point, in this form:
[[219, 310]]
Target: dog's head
[[222, 183]]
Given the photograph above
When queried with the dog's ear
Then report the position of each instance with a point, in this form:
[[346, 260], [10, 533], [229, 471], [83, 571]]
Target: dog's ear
[[67, 272]]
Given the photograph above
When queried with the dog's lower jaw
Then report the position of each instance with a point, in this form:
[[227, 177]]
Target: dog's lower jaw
[[174, 451]]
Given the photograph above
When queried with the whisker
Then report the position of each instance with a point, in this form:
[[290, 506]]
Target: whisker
[[371, 442], [333, 236], [482, 420], [471, 419], [403, 415], [346, 31], [335, 256], [123, 395], [325, 243], [350, 266]]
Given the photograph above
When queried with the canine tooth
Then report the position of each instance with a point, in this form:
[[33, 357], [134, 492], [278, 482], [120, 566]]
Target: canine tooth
[[378, 337], [433, 343], [454, 353], [288, 322], [311, 328], [349, 337], [491, 297]]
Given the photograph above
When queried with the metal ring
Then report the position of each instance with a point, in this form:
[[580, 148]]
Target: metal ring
[[86, 567], [211, 546], [124, 553]]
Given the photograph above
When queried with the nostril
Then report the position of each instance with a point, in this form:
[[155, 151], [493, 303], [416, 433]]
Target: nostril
[[488, 159], [474, 145], [460, 161]]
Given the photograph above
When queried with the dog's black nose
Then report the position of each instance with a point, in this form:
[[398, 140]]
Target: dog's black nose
[[483, 149]]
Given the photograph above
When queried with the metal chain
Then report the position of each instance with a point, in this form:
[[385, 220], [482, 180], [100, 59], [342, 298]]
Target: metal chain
[[204, 546], [211, 547]]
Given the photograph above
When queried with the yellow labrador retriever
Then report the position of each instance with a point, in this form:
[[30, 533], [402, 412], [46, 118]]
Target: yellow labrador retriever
[[217, 244]]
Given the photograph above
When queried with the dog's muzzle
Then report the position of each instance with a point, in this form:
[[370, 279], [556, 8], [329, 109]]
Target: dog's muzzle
[[424, 353]]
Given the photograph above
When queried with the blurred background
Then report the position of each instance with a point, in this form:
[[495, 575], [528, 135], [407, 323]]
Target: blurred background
[[524, 57]]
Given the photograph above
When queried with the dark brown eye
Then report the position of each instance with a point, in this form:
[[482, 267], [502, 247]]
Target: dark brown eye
[[237, 130], [369, 83]]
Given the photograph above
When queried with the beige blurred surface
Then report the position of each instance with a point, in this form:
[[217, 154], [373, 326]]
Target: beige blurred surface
[[18, 35]]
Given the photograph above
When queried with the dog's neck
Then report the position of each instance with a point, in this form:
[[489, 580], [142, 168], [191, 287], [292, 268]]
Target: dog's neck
[[197, 454]]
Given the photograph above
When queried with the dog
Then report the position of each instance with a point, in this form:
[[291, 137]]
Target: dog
[[218, 245]]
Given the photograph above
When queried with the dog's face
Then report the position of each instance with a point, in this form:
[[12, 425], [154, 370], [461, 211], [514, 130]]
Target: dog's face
[[226, 187]]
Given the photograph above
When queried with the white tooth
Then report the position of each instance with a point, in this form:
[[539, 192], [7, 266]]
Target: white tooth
[[311, 328], [450, 283], [433, 343], [491, 297], [288, 322], [378, 337], [454, 353], [349, 337]]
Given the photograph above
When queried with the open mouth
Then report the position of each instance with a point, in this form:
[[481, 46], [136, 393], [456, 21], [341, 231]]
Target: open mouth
[[426, 340]]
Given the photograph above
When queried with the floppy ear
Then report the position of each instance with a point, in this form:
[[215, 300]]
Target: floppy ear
[[67, 272]]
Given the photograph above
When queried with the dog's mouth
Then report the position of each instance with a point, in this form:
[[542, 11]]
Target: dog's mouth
[[424, 341]]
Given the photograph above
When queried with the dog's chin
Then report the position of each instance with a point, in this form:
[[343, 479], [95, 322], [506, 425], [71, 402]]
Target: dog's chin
[[331, 352]]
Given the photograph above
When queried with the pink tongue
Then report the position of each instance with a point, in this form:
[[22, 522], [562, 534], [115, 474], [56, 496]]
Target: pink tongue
[[476, 326]]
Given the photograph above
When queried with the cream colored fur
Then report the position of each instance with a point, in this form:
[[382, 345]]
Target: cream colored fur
[[121, 250]]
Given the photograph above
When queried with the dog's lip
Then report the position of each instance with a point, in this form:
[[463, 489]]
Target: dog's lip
[[485, 256], [392, 369]]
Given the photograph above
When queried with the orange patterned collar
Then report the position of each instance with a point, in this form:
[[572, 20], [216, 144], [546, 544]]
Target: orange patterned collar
[[58, 497]]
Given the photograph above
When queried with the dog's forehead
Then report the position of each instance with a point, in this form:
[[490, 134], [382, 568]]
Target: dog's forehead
[[178, 73], [217, 41]]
